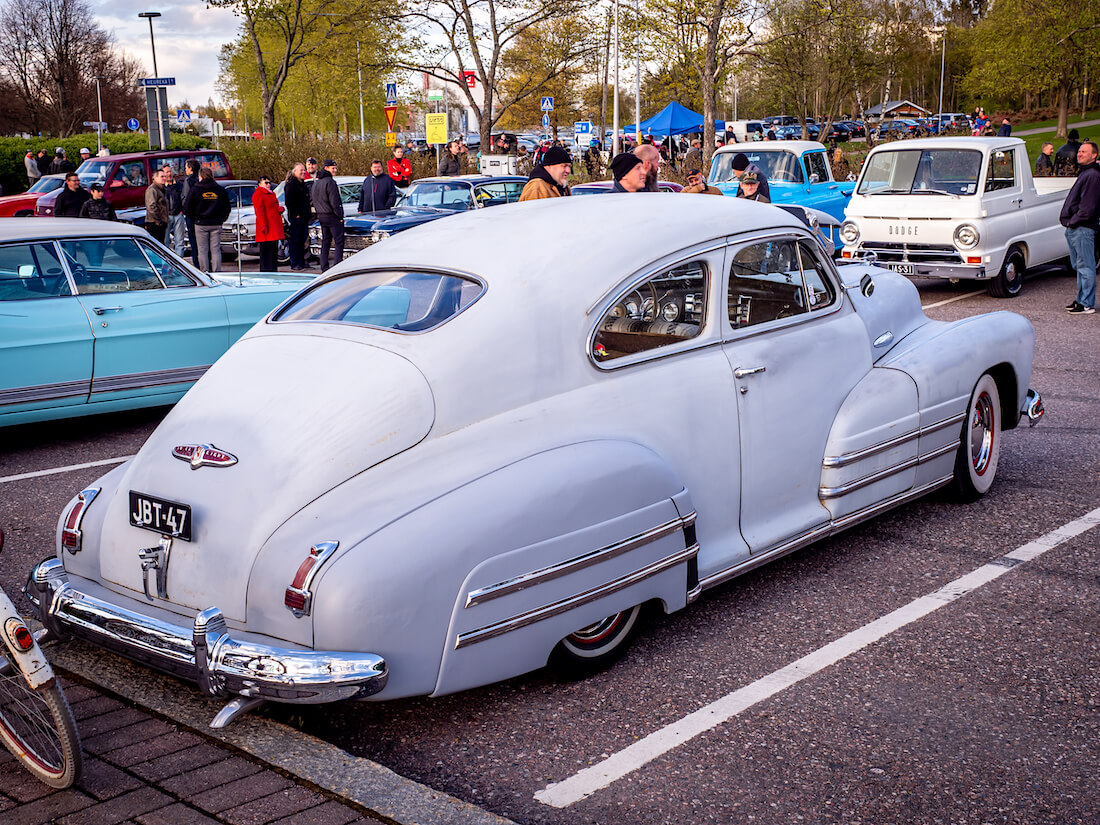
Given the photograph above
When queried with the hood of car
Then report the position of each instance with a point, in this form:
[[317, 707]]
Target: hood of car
[[283, 419], [396, 219]]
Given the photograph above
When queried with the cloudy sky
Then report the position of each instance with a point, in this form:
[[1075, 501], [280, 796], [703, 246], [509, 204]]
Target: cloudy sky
[[188, 35]]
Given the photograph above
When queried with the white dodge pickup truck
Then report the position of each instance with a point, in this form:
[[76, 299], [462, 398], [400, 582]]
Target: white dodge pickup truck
[[956, 208]]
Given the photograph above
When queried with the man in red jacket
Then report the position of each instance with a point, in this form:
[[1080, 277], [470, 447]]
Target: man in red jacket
[[269, 224], [399, 168]]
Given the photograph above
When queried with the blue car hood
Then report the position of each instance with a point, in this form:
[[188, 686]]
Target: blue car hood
[[394, 220]]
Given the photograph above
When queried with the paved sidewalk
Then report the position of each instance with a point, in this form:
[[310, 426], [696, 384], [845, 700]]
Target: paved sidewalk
[[141, 769]]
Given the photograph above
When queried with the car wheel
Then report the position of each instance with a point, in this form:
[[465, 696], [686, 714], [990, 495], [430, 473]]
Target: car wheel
[[980, 442], [1011, 277], [283, 255], [595, 647]]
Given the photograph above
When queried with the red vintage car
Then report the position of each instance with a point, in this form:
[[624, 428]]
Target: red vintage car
[[22, 206]]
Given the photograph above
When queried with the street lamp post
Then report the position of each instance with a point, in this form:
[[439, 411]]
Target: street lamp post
[[99, 107], [615, 106], [943, 63], [149, 15], [359, 69]]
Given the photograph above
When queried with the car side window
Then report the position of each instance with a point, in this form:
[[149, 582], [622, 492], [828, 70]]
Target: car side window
[[667, 309], [765, 283], [215, 163], [495, 194], [170, 273], [819, 289], [349, 192], [109, 265], [132, 173], [31, 270], [816, 165], [1002, 171]]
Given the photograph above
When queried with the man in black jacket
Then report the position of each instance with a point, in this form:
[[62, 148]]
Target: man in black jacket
[[98, 207], [330, 212], [61, 164], [1044, 167], [296, 201], [378, 190], [207, 205], [1065, 159], [72, 197], [1081, 218], [192, 178]]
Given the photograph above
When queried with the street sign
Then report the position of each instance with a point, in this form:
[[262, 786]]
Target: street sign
[[436, 128], [391, 94], [98, 125], [157, 81], [391, 138], [582, 130], [183, 116], [391, 113], [435, 94], [219, 128], [548, 104], [546, 120], [470, 78], [133, 124]]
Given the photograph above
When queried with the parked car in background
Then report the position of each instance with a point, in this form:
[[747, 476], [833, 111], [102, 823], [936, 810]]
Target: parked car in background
[[958, 208], [99, 317], [125, 177], [481, 418], [839, 131], [855, 128], [425, 200], [22, 205], [798, 172], [603, 187], [898, 128], [240, 198], [952, 122]]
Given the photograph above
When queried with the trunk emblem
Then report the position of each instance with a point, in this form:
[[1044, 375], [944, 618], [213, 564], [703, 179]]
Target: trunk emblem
[[204, 455]]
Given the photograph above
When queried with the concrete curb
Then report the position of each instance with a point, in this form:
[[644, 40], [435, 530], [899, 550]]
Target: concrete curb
[[373, 787]]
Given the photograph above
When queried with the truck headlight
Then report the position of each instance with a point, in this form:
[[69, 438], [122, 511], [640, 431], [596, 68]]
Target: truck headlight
[[379, 235], [966, 236], [315, 233], [849, 232]]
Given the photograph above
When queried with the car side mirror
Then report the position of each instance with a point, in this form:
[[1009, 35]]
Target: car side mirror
[[814, 178], [116, 183], [867, 286]]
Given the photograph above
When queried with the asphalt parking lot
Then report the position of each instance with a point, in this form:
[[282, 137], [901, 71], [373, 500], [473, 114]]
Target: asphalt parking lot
[[938, 664]]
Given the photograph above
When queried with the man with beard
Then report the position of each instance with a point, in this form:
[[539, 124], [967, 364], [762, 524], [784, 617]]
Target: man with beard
[[550, 179]]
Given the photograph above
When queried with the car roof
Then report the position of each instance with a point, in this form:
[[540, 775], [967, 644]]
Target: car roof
[[472, 178], [35, 229], [979, 143], [155, 153], [771, 146]]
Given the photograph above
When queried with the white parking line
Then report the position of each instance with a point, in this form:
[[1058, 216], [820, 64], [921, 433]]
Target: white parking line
[[645, 750], [69, 469], [952, 300]]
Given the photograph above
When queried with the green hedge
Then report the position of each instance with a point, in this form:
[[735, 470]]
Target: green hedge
[[13, 174]]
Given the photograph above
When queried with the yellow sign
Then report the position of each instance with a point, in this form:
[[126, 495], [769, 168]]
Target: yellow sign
[[391, 138], [436, 127]]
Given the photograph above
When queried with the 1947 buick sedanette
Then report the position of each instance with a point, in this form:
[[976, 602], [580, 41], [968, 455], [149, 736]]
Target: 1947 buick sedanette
[[483, 445]]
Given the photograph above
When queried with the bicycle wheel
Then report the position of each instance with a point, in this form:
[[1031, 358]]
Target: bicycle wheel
[[37, 726]]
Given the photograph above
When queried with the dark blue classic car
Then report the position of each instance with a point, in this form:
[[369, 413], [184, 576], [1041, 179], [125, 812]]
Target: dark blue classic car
[[425, 200]]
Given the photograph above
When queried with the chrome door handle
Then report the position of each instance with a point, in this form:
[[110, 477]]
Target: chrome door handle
[[101, 310], [752, 371]]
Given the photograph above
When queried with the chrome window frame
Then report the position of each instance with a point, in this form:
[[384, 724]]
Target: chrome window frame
[[435, 270], [72, 277], [143, 244]]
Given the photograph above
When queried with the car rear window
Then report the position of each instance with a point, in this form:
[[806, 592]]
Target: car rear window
[[215, 163], [392, 299]]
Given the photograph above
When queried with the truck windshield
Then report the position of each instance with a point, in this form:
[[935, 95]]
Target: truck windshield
[[929, 171], [778, 167], [93, 171]]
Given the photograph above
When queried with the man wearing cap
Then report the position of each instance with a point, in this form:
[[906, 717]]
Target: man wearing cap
[[741, 166], [61, 165], [311, 169], [85, 153], [550, 179], [750, 189], [98, 207], [697, 185], [330, 212], [629, 173]]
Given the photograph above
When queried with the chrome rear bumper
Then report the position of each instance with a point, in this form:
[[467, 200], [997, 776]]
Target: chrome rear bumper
[[204, 653], [1033, 407]]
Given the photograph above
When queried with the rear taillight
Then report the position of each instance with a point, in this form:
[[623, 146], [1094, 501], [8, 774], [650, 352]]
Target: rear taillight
[[18, 634], [71, 537], [299, 595]]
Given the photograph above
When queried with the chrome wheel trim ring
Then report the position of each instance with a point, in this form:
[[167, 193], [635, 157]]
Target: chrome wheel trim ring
[[982, 420]]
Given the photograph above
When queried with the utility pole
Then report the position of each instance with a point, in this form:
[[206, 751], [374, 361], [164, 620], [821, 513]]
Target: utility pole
[[359, 69], [615, 106]]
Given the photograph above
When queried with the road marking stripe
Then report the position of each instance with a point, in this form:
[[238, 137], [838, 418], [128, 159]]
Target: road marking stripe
[[952, 300], [645, 750], [69, 469]]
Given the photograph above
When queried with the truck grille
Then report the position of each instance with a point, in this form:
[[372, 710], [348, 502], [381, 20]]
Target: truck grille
[[914, 253]]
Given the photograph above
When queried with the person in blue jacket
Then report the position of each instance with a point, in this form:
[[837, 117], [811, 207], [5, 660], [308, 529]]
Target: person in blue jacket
[[378, 191]]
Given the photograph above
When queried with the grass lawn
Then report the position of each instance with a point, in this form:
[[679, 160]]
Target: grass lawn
[[1053, 124]]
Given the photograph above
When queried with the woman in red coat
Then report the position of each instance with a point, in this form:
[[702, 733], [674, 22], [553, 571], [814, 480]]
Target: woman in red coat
[[399, 168], [269, 224]]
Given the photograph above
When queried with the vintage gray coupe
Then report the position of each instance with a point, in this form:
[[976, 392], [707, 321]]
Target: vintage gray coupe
[[485, 444]]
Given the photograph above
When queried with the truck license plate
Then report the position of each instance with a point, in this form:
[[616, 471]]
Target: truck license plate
[[169, 518], [901, 269]]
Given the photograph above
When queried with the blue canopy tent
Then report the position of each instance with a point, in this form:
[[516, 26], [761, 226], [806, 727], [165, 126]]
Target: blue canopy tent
[[674, 119]]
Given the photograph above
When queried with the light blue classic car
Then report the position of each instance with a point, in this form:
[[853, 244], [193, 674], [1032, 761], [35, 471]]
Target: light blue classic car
[[97, 317], [798, 173]]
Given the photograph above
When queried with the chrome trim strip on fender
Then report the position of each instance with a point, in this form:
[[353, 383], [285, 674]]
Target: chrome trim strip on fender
[[140, 380], [563, 606], [859, 483], [834, 461], [821, 532], [45, 392], [545, 574]]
